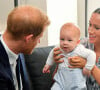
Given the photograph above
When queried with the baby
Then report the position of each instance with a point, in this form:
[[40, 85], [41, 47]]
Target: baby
[[68, 78]]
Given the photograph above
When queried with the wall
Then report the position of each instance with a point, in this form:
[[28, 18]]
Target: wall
[[81, 16], [43, 6], [5, 7], [92, 5], [64, 11]]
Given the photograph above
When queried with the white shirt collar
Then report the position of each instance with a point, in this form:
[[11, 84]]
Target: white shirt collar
[[11, 55]]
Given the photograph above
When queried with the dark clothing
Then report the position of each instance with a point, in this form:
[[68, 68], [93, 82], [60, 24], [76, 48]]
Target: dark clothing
[[6, 78], [91, 82]]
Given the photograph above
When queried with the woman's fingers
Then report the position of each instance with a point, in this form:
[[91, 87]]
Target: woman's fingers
[[77, 62], [59, 61], [57, 51], [57, 57]]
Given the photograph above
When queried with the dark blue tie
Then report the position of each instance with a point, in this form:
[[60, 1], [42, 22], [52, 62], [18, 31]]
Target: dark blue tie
[[18, 73], [22, 72]]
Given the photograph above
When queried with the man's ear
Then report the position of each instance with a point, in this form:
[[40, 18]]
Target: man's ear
[[28, 37]]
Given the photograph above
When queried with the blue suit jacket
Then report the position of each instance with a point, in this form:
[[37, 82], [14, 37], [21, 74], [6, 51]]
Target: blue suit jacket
[[6, 79]]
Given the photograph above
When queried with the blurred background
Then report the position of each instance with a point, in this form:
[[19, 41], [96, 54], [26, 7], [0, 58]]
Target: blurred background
[[59, 12]]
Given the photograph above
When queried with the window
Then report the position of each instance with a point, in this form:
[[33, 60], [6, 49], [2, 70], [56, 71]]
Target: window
[[60, 12]]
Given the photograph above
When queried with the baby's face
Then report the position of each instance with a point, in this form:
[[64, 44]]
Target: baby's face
[[68, 40]]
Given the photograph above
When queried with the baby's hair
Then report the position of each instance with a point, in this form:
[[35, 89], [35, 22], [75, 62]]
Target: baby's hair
[[76, 25], [71, 25]]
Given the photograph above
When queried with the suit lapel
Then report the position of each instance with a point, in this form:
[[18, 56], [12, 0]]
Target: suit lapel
[[6, 69], [4, 64], [24, 74]]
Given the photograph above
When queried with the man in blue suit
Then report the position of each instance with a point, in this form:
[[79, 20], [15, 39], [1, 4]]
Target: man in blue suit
[[25, 27]]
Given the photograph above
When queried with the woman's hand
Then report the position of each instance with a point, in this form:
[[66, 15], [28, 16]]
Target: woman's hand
[[76, 62], [96, 74], [57, 57]]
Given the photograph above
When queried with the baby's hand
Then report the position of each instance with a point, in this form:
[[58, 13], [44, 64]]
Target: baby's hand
[[86, 72], [46, 69]]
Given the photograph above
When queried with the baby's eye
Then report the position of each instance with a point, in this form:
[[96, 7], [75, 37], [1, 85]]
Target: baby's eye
[[69, 40], [62, 39], [90, 24]]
